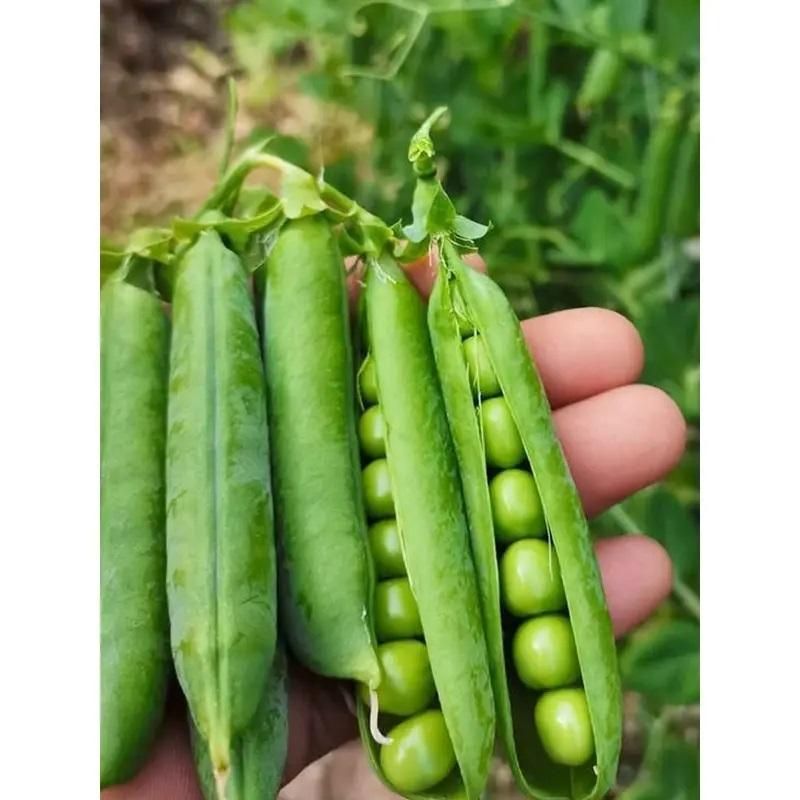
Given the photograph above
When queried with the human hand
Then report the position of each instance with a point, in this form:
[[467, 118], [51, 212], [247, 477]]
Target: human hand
[[618, 437]]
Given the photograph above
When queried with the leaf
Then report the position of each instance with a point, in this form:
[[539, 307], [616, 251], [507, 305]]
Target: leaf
[[469, 229], [662, 661], [597, 224], [670, 769], [573, 10], [667, 521], [300, 194], [432, 211], [678, 29], [627, 16]]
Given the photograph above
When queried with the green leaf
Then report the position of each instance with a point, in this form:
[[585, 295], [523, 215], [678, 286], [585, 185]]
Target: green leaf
[[678, 29], [671, 524], [300, 194], [662, 661], [432, 211], [670, 769], [469, 229], [627, 16]]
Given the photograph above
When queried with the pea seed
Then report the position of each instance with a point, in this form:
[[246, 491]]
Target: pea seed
[[530, 579], [368, 382], [563, 723], [544, 652], [396, 612], [420, 754], [482, 377], [378, 489], [516, 507], [372, 433], [406, 679], [384, 544], [501, 440]]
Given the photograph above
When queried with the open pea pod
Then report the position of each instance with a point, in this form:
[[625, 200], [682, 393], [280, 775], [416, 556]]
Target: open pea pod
[[325, 578], [466, 302], [258, 756], [429, 512], [220, 552]]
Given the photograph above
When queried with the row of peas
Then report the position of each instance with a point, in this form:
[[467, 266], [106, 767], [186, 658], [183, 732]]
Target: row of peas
[[419, 754], [542, 646]]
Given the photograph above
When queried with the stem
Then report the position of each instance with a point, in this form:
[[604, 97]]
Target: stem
[[687, 596]]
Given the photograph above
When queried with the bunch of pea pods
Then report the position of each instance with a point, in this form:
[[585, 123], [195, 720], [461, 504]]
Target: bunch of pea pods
[[299, 453]]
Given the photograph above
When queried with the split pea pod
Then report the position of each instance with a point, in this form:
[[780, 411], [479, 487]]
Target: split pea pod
[[325, 578], [258, 754], [220, 553], [550, 638], [135, 663], [435, 695]]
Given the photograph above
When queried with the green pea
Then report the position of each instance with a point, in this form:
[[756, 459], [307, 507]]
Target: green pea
[[396, 612], [372, 433], [530, 579], [406, 678], [377, 482], [563, 724], [501, 439], [368, 382], [544, 652], [420, 754], [516, 508], [387, 554], [482, 377]]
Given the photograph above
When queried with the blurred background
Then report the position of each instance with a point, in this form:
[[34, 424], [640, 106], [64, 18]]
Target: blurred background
[[574, 129]]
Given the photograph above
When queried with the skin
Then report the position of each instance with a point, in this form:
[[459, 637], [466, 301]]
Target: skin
[[618, 437]]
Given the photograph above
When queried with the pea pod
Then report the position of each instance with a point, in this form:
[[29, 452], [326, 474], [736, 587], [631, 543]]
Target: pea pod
[[602, 75], [658, 167], [220, 554], [258, 755], [539, 755], [325, 575], [683, 213], [135, 663], [434, 540]]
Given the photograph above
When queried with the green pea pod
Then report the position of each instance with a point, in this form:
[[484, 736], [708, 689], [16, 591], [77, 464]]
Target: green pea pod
[[683, 213], [602, 76], [658, 168], [460, 293], [325, 576], [135, 663], [220, 554], [258, 756], [432, 526]]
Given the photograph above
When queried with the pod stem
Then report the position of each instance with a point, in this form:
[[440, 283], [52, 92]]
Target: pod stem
[[373, 719]]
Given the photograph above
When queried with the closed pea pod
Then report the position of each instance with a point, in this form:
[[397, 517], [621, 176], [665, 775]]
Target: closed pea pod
[[135, 663], [444, 752], [564, 746], [258, 755], [220, 552], [325, 576]]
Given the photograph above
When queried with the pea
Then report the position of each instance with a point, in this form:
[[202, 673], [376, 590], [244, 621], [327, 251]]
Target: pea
[[378, 489], [384, 544], [482, 377], [544, 652], [371, 433], [420, 754], [406, 679], [368, 382], [530, 579], [501, 441], [563, 724], [396, 612], [516, 507]]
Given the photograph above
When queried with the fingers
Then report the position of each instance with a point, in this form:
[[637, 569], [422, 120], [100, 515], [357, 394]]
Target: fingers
[[582, 352], [637, 577], [619, 442]]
